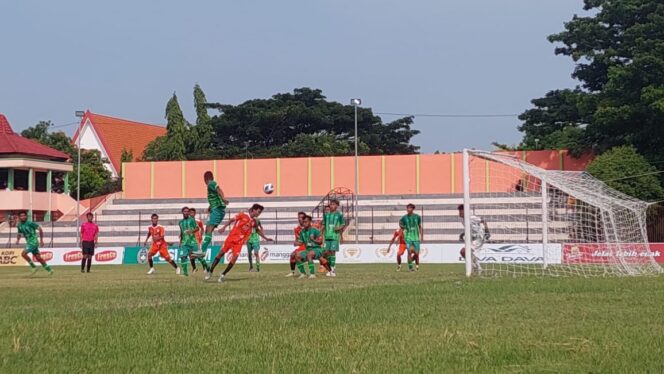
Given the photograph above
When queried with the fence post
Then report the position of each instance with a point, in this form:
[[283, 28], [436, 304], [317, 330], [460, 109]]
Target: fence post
[[372, 225], [140, 217], [276, 226]]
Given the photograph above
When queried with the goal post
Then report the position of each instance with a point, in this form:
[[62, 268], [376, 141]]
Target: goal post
[[520, 219]]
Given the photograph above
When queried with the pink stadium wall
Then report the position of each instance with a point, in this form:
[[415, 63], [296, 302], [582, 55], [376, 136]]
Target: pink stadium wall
[[315, 176]]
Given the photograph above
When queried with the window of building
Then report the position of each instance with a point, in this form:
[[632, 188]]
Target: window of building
[[20, 180], [40, 181]]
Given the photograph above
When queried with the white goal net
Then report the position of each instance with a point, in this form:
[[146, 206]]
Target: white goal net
[[524, 220]]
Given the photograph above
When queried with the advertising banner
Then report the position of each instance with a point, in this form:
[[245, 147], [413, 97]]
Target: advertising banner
[[11, 257], [73, 256], [603, 253], [519, 253], [139, 255]]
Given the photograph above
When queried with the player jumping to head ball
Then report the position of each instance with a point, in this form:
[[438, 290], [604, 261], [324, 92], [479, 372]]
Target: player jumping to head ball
[[217, 208]]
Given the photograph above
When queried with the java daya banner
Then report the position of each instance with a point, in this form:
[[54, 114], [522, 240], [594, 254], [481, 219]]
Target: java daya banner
[[601, 253], [11, 257], [73, 256]]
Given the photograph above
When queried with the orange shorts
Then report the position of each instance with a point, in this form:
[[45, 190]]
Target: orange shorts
[[162, 249], [235, 246], [402, 249]]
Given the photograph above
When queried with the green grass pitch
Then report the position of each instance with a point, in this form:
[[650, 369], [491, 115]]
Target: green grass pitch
[[368, 319]]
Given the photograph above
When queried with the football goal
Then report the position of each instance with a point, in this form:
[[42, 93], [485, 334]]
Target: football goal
[[520, 219]]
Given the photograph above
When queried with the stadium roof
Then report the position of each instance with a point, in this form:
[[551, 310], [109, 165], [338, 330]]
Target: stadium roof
[[113, 135], [14, 144]]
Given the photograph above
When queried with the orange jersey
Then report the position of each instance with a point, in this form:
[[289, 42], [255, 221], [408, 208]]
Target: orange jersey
[[297, 231], [242, 228], [399, 234], [158, 230], [199, 233]]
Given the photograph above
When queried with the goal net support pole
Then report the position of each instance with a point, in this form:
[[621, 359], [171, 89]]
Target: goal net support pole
[[466, 213], [545, 223]]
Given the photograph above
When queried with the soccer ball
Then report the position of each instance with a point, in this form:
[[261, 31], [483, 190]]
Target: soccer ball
[[268, 188]]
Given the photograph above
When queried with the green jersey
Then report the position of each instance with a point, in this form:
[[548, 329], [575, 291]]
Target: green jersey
[[255, 238], [331, 222], [411, 225], [305, 237], [188, 224], [28, 230], [213, 196]]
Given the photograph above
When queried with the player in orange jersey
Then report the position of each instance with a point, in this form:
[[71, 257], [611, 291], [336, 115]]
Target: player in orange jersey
[[159, 245], [398, 234], [243, 224], [298, 248], [199, 236]]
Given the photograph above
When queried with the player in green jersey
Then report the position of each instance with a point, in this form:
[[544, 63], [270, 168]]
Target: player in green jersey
[[188, 244], [29, 230], [312, 239], [254, 245], [332, 226], [217, 208], [411, 223]]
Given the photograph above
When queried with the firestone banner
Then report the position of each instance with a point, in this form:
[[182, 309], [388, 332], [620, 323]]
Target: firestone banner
[[73, 256]]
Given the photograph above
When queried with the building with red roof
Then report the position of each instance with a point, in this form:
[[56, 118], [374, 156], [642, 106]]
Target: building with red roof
[[111, 136], [33, 177]]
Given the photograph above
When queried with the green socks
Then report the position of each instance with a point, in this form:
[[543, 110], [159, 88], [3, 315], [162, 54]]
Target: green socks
[[258, 266], [410, 264], [184, 263], [47, 267], [300, 267], [32, 264], [312, 268], [333, 260], [204, 263], [206, 241]]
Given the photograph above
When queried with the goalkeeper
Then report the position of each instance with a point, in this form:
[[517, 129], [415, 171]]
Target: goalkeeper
[[479, 232]]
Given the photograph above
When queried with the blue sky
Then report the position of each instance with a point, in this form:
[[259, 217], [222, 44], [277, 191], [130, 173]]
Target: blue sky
[[125, 58]]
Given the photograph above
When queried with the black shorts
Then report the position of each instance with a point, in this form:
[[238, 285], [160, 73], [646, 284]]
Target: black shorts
[[88, 248]]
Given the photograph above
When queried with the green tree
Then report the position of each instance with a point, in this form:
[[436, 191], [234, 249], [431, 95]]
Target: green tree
[[173, 145], [56, 140], [619, 54], [272, 126], [127, 155], [203, 133], [625, 170], [95, 177]]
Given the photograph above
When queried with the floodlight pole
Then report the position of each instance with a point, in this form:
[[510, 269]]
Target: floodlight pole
[[355, 103], [80, 115]]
